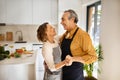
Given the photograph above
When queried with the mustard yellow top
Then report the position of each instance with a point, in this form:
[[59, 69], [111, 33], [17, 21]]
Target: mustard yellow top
[[82, 46]]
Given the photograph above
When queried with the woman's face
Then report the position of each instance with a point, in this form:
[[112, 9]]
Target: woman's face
[[50, 30]]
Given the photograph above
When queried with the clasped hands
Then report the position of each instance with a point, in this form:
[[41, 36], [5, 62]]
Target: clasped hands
[[68, 60]]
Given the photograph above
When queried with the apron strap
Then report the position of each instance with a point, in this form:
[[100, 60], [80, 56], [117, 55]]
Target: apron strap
[[75, 33]]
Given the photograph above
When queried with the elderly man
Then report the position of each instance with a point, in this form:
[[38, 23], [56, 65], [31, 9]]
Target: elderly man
[[76, 47]]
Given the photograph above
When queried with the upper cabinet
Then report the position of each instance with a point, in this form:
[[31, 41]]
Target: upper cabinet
[[19, 11], [28, 11], [45, 10], [2, 11]]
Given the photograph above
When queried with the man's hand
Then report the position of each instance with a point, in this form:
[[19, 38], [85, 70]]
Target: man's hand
[[68, 60]]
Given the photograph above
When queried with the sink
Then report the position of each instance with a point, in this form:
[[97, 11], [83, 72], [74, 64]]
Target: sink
[[20, 41]]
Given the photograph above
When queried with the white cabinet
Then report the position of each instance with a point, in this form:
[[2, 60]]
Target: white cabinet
[[28, 11], [2, 11], [41, 11], [54, 11], [39, 61], [45, 10], [17, 72], [19, 11]]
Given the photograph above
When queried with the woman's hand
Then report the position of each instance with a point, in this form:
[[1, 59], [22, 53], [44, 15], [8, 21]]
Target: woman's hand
[[68, 60]]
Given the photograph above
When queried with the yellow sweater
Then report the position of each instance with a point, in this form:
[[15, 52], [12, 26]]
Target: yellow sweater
[[82, 46]]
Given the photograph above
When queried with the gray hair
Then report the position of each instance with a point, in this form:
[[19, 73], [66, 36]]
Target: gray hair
[[72, 15]]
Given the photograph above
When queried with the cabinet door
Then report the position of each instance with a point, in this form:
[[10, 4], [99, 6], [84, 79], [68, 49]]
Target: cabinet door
[[44, 11], [28, 11], [2, 11], [41, 11], [19, 11], [54, 11]]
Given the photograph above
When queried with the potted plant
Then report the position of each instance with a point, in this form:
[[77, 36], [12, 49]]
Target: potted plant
[[90, 67]]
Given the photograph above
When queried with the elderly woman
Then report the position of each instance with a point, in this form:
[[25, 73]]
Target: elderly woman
[[51, 52]]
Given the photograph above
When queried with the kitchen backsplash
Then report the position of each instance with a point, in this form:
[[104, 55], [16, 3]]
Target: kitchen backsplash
[[28, 31]]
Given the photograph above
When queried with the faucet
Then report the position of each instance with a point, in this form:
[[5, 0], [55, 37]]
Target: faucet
[[20, 36]]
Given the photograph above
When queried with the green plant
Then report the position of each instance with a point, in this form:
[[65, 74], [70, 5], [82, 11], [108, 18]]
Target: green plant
[[3, 53], [90, 67], [17, 55]]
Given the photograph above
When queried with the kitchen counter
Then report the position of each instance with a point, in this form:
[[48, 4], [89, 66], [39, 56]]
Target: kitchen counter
[[28, 45], [23, 68], [24, 59]]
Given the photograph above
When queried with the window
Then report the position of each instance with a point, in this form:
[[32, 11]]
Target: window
[[93, 26], [93, 22]]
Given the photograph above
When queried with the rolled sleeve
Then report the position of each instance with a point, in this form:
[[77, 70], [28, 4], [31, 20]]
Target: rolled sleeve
[[87, 47]]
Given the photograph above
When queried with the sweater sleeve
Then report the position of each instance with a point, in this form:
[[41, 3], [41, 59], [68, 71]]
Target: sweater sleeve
[[48, 57], [89, 50]]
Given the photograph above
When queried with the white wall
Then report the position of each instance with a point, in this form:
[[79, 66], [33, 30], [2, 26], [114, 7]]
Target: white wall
[[110, 40], [65, 5], [29, 32]]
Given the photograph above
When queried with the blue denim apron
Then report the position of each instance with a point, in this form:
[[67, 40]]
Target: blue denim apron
[[75, 71]]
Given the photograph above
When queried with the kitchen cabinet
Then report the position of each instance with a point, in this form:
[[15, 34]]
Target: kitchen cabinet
[[22, 68], [2, 11], [42, 11], [17, 72], [45, 10], [19, 11], [27, 67], [28, 11], [39, 61], [16, 11]]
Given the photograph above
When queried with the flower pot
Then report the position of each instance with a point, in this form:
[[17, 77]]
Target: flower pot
[[90, 78]]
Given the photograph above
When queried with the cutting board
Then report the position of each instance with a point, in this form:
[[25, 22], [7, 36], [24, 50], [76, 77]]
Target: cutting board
[[9, 36], [2, 37]]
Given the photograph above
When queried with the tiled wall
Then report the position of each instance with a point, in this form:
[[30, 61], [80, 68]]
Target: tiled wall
[[29, 31]]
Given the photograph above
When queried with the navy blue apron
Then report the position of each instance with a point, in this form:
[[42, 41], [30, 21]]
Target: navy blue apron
[[75, 71]]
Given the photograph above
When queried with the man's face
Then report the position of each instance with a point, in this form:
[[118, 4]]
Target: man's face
[[65, 21]]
